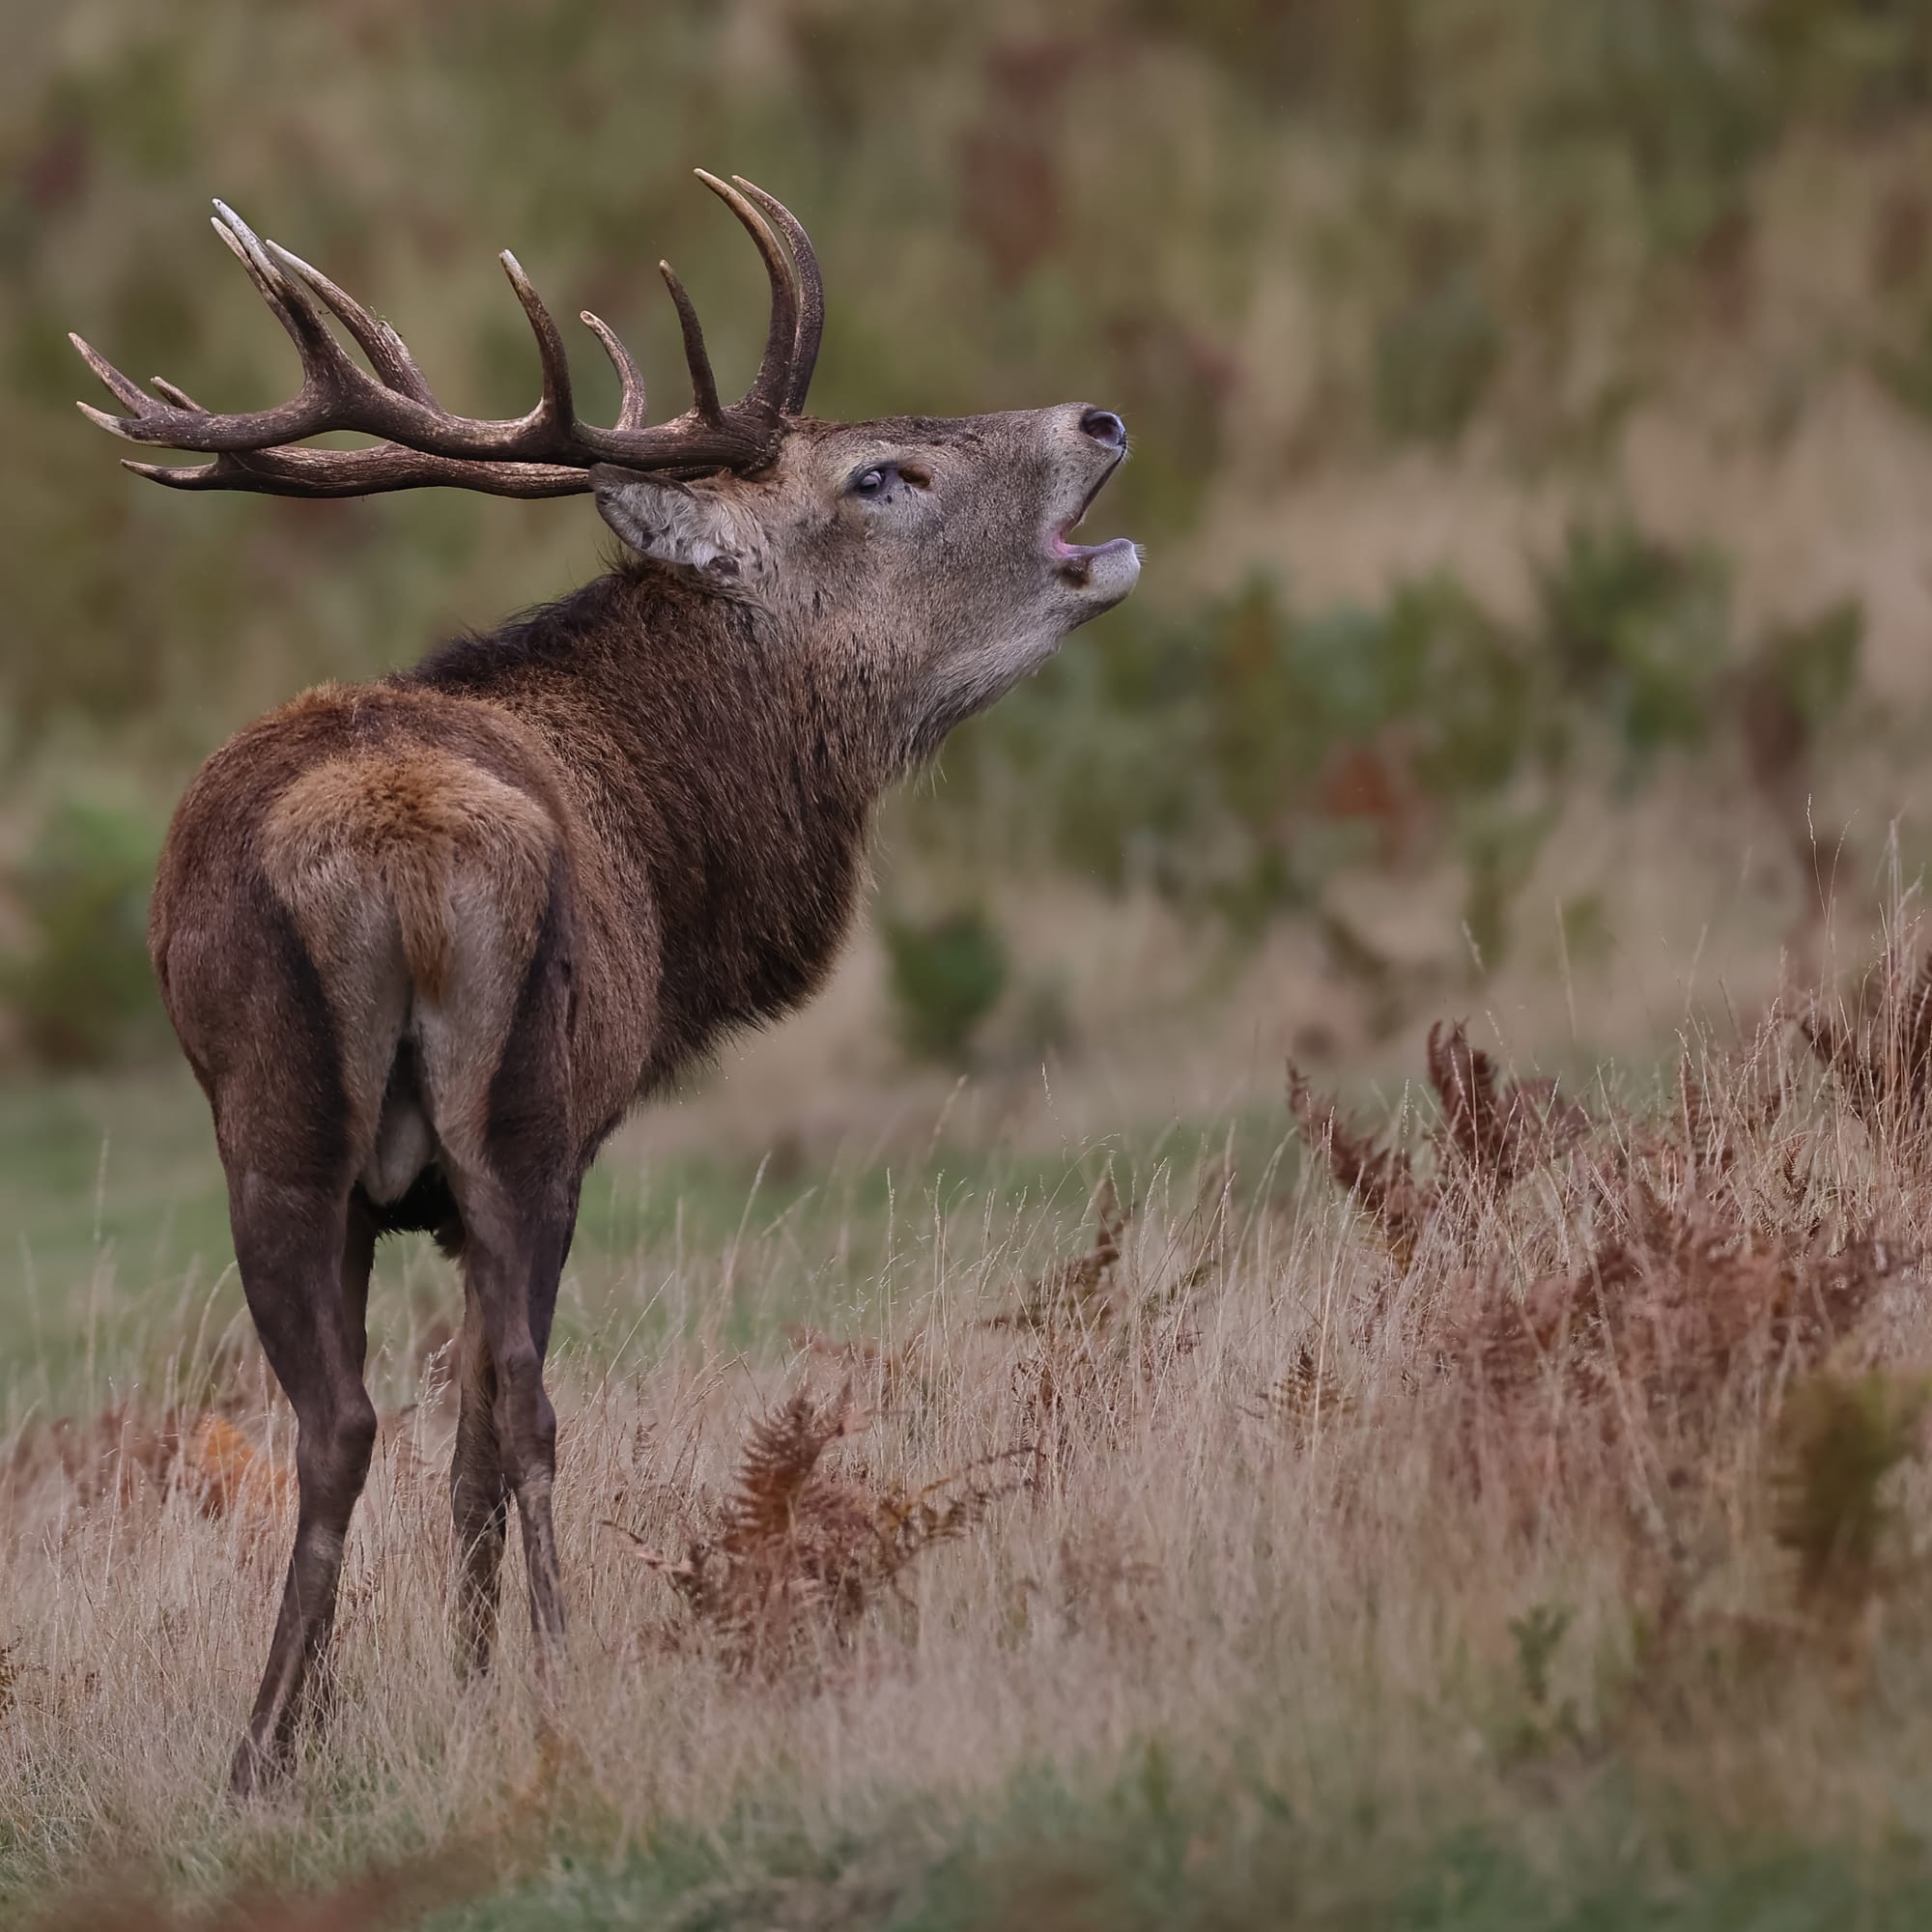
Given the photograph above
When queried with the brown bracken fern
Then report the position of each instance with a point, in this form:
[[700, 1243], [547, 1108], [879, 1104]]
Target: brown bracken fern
[[1490, 1131], [1650, 1341], [798, 1550]]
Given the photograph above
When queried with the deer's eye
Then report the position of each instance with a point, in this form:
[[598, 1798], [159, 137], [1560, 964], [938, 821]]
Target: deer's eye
[[872, 481]]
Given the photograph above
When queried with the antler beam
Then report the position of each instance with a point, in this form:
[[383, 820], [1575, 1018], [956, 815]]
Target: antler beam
[[544, 453]]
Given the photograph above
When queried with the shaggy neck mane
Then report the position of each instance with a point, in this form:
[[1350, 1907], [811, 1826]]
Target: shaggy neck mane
[[729, 774]]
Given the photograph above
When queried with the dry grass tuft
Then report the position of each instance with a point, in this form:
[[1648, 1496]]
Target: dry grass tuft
[[138, 1459], [1880, 1052], [1083, 1290]]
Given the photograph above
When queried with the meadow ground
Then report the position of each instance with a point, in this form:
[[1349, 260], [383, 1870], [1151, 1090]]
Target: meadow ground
[[1224, 1523]]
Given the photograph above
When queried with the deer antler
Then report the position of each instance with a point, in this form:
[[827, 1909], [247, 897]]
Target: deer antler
[[545, 453]]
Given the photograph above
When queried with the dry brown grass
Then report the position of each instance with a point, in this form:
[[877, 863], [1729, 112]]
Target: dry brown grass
[[1489, 1452]]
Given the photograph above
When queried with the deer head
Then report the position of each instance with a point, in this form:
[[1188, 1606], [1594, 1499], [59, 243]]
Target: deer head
[[925, 561]]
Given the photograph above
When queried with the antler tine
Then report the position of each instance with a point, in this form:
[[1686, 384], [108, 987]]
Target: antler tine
[[774, 378], [328, 373], [556, 406], [631, 410], [329, 377], [123, 389], [696, 357], [387, 353], [811, 296], [244, 245]]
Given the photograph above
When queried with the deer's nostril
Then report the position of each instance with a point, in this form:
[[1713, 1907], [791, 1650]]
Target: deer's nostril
[[1105, 427]]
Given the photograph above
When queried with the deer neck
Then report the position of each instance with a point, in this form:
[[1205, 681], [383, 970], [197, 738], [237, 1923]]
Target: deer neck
[[728, 773]]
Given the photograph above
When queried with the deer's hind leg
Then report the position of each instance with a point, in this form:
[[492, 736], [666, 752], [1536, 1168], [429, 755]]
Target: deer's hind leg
[[514, 1251], [295, 1102], [291, 1241], [479, 1493], [503, 1122]]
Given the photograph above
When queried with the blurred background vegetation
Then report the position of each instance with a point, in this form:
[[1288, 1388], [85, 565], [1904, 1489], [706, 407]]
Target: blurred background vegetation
[[1532, 402]]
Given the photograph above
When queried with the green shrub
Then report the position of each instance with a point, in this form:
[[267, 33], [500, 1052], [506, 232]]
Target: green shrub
[[1641, 630], [1813, 665], [80, 986], [1843, 1438], [947, 976]]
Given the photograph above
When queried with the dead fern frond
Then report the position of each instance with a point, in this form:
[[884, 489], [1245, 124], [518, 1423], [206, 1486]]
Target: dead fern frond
[[910, 1523], [798, 1552], [227, 1474], [1651, 1340], [1496, 1129], [1490, 1131], [1103, 1582], [1715, 1136], [870, 1363], [777, 1466], [1309, 1398], [1381, 1179], [124, 1453]]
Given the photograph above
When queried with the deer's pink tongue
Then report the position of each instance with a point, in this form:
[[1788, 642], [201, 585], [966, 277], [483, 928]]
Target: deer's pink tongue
[[1061, 548]]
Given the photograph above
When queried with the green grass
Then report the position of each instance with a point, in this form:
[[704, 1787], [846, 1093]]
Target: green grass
[[119, 1252], [1158, 1847]]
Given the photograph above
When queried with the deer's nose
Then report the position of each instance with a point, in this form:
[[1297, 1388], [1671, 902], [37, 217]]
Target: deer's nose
[[1105, 428]]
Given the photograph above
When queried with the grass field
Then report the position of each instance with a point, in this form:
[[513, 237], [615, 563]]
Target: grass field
[[1526, 1534], [1114, 1490], [121, 1254]]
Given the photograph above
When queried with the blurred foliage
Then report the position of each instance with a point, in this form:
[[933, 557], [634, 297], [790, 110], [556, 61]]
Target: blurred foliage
[[1844, 1438], [1813, 665], [1239, 757], [947, 976], [1518, 217], [1640, 629], [1433, 360], [1509, 219], [78, 984]]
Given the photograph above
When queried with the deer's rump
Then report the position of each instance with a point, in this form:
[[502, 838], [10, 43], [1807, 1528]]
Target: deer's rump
[[415, 877], [419, 882]]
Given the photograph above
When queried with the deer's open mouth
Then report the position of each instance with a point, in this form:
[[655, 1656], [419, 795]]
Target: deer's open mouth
[[1080, 555]]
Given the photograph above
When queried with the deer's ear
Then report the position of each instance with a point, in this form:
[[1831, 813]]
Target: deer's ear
[[673, 523]]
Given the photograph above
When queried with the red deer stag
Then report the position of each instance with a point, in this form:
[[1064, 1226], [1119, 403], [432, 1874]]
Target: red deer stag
[[424, 940]]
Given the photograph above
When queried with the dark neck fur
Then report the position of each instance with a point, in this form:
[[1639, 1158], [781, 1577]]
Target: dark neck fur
[[727, 771]]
